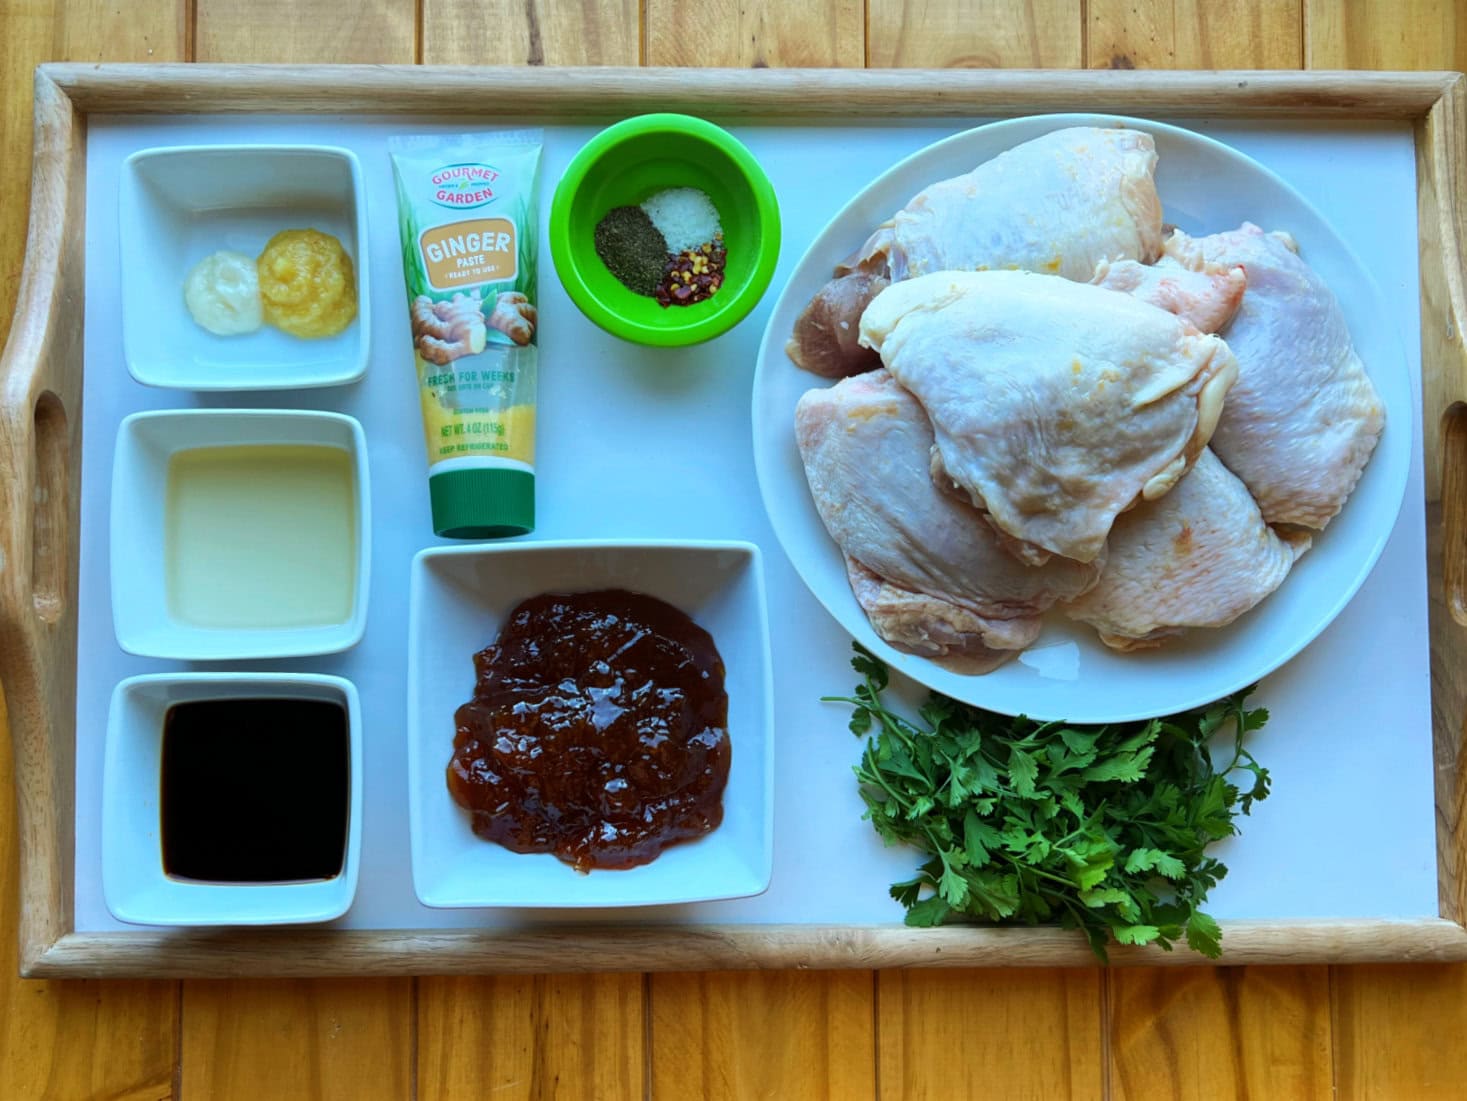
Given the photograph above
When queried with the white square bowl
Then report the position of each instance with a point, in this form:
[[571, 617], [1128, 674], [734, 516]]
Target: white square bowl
[[134, 884], [460, 596], [181, 203], [141, 617]]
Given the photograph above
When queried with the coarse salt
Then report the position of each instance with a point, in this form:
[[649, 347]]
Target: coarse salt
[[684, 216]]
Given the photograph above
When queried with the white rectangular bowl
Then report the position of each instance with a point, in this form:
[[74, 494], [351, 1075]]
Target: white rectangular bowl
[[140, 614], [460, 596], [179, 204], [134, 884]]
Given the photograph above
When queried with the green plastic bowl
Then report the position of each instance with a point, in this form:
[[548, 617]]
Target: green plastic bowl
[[625, 164]]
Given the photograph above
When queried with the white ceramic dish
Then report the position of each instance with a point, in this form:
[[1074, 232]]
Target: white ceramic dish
[[1205, 187], [178, 205], [459, 598], [141, 614], [134, 884]]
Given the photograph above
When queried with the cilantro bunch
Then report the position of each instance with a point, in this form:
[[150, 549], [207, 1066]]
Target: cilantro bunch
[[1100, 828]]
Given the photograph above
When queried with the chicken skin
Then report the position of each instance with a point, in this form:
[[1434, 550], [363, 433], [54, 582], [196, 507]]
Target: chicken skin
[[1304, 418], [1060, 203], [1056, 405], [1199, 557], [928, 571]]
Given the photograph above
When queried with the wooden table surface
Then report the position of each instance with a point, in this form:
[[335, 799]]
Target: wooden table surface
[[1279, 1032]]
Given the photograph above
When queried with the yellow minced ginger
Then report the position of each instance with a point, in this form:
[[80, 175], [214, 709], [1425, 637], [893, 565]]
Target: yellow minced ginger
[[307, 285]]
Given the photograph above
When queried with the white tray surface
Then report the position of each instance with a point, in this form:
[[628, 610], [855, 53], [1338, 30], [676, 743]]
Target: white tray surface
[[637, 442]]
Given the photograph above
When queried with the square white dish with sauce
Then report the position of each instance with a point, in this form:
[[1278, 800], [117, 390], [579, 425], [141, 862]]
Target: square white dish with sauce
[[481, 600], [239, 534], [232, 799]]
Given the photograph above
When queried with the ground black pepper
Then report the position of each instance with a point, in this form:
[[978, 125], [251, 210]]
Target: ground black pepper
[[632, 249]]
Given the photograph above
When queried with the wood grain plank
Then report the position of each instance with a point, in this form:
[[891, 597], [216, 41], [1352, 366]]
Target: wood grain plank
[[81, 30], [757, 33], [327, 1038], [1441, 166], [982, 34], [65, 1039], [103, 30], [1385, 34], [804, 94], [298, 953], [41, 367], [1441, 163], [517, 1038], [68, 1039], [1221, 1032], [998, 1034], [1395, 1031], [763, 1034], [1194, 34], [306, 31], [537, 32]]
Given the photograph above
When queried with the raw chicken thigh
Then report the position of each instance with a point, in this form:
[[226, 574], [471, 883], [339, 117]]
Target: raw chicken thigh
[[826, 338], [927, 570], [1303, 419], [1052, 406], [1199, 557], [1056, 405], [1207, 298], [1060, 203]]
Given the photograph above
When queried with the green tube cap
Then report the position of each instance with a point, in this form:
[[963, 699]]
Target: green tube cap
[[483, 503]]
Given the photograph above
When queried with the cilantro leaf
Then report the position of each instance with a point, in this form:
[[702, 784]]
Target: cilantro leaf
[[1136, 934], [1103, 829], [907, 891], [1023, 770], [928, 912], [1099, 896], [1126, 766], [1147, 860], [1204, 935], [870, 667]]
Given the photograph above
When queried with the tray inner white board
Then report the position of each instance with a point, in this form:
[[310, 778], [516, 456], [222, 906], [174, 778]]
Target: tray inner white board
[[644, 442]]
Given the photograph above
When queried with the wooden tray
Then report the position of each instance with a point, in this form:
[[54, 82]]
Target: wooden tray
[[40, 436]]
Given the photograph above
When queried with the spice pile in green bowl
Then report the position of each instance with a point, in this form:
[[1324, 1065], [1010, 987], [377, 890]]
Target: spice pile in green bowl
[[664, 230]]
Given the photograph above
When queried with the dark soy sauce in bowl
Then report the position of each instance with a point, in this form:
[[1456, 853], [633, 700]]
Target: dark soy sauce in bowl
[[254, 790]]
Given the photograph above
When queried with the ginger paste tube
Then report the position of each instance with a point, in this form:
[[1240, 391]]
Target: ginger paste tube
[[466, 208]]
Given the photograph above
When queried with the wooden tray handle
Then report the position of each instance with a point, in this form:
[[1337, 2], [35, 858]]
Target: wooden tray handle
[[1454, 510], [40, 438], [1441, 169]]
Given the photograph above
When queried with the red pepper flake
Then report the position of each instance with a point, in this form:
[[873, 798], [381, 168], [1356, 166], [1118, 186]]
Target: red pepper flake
[[693, 275]]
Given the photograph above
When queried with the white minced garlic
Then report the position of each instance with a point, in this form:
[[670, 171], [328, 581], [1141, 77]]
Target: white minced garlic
[[223, 293]]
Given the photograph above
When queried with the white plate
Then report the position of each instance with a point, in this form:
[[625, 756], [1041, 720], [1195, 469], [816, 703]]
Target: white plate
[[1205, 187]]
